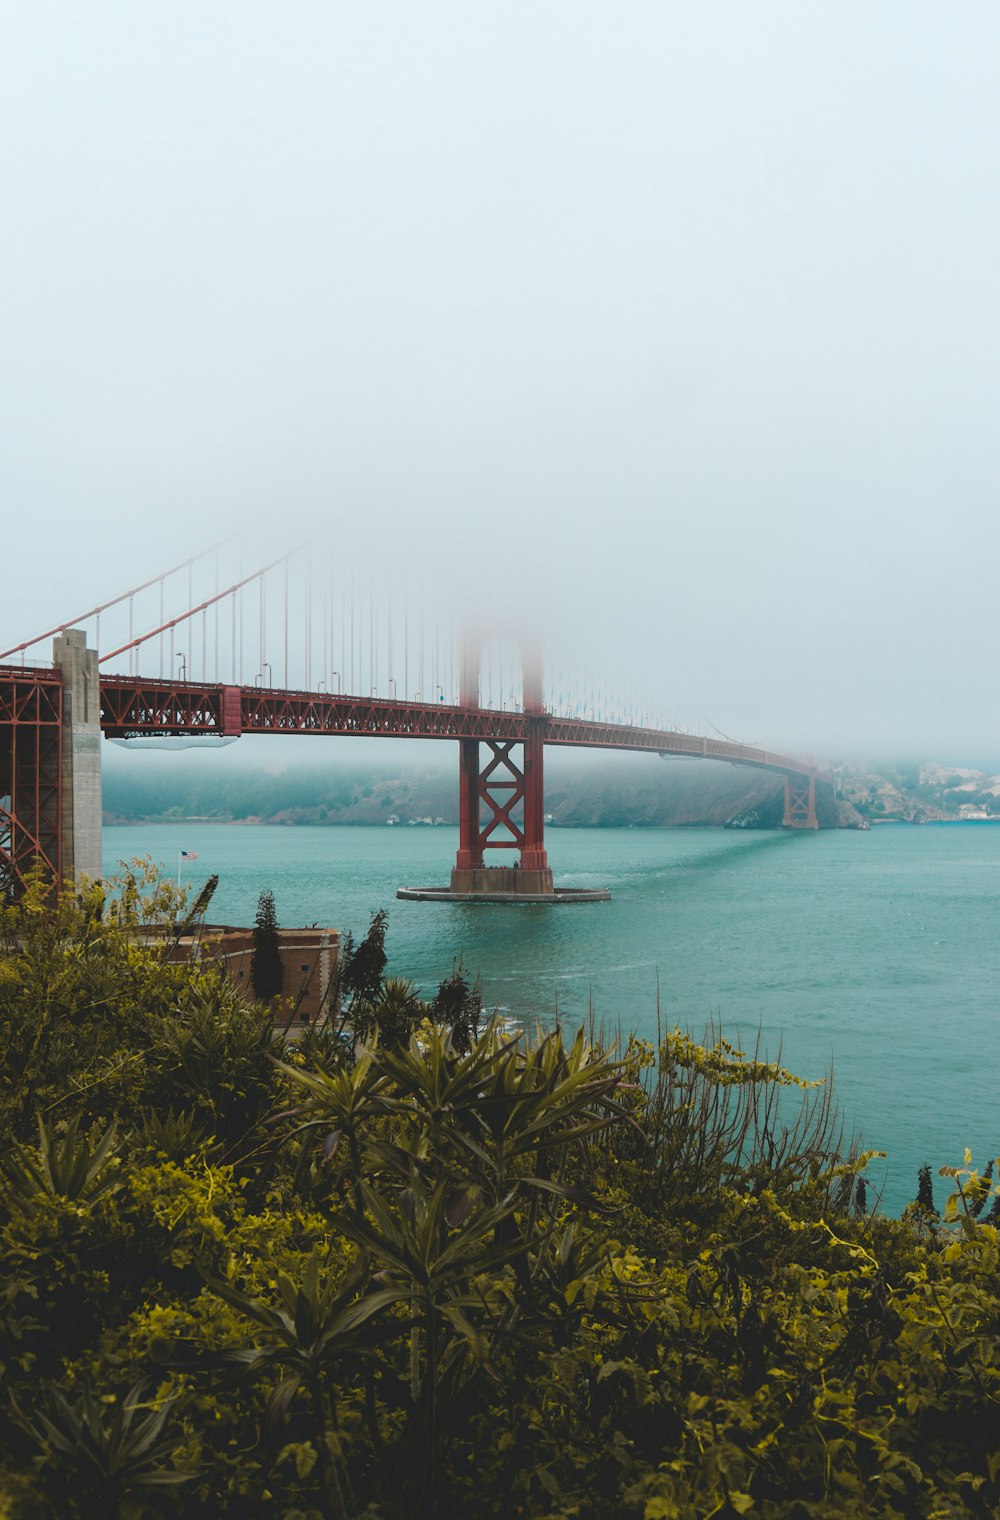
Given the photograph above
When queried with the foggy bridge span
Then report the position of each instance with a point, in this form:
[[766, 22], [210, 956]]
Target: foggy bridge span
[[52, 717]]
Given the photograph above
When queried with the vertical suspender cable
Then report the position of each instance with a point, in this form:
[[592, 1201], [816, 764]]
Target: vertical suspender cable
[[342, 661], [260, 629], [327, 662], [216, 662], [436, 651], [354, 688], [309, 624]]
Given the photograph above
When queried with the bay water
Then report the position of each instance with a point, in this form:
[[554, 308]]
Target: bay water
[[877, 954]]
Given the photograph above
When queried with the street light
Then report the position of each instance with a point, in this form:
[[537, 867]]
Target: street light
[[182, 673], [336, 673]]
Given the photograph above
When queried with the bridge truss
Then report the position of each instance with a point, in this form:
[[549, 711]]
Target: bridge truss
[[314, 649]]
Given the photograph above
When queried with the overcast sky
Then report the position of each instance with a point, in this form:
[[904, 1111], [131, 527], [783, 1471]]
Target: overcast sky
[[680, 323]]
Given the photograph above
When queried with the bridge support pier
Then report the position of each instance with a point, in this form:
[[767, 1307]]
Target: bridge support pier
[[800, 802], [80, 820], [502, 807], [502, 804], [490, 798]]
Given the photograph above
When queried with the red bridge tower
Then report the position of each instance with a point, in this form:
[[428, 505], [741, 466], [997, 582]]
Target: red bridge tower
[[501, 802]]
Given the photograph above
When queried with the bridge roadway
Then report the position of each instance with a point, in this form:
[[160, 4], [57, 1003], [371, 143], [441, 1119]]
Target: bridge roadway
[[132, 706]]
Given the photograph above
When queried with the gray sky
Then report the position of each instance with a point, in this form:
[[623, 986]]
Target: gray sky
[[679, 323]]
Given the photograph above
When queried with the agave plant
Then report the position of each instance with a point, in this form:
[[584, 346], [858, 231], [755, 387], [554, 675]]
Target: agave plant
[[504, 1100], [339, 1105], [72, 1165], [396, 1012], [541, 1103], [171, 1136], [215, 1056], [321, 1326], [105, 1453], [433, 1257]]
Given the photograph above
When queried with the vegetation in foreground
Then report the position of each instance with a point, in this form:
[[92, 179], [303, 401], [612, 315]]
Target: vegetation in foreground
[[449, 1270]]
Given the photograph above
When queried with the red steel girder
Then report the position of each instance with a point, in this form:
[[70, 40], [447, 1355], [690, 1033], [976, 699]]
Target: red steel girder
[[800, 803], [501, 775], [131, 705], [30, 774]]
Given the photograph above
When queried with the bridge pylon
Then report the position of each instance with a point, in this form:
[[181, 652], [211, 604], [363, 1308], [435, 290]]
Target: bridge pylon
[[502, 796], [50, 767], [81, 755], [800, 801]]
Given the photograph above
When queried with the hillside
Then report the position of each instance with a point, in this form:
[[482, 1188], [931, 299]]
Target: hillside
[[921, 793], [639, 792]]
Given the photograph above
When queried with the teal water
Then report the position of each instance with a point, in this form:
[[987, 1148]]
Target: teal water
[[879, 952]]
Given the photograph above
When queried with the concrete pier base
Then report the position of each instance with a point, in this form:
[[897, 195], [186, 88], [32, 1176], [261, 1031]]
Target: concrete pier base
[[81, 755], [503, 886], [510, 881]]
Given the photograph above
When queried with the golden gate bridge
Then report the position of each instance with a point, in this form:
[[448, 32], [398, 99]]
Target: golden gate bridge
[[302, 645]]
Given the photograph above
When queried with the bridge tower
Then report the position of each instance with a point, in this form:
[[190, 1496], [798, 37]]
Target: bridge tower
[[800, 800], [502, 798], [31, 749], [81, 755], [50, 767]]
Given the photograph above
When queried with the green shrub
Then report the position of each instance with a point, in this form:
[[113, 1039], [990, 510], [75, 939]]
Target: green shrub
[[457, 1271]]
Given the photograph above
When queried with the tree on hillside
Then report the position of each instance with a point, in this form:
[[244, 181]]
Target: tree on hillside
[[361, 977], [267, 974], [458, 1006]]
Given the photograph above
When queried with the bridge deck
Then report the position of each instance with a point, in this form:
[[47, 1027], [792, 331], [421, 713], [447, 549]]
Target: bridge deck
[[132, 706]]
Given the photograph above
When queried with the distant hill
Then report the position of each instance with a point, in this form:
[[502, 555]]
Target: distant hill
[[641, 792], [921, 793]]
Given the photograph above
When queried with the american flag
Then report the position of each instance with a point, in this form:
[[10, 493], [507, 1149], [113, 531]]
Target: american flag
[[189, 854]]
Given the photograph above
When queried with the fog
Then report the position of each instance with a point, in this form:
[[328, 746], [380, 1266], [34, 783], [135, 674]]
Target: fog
[[672, 328]]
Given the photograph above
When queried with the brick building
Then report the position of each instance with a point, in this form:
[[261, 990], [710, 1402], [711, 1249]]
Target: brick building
[[309, 958]]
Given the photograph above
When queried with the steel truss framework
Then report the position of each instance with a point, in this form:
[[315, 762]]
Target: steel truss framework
[[800, 802], [31, 706], [131, 706], [501, 802]]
